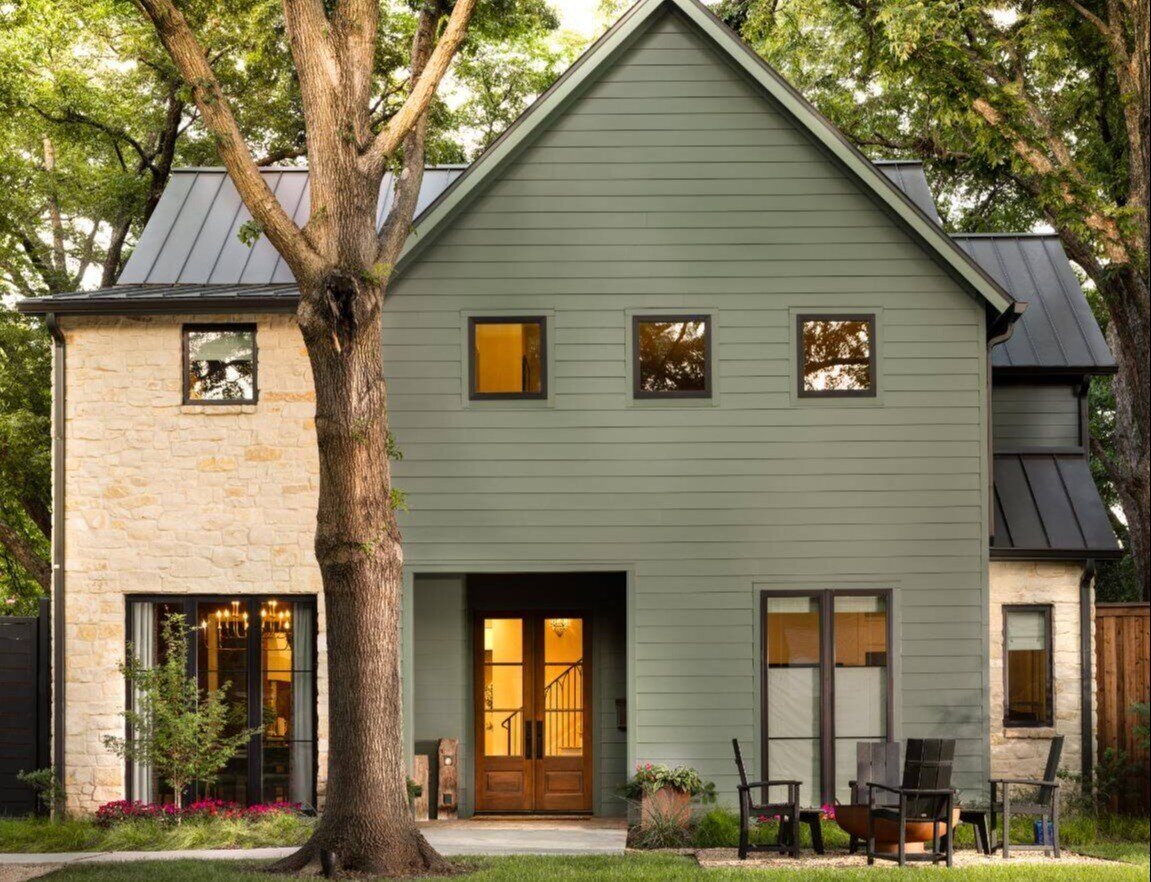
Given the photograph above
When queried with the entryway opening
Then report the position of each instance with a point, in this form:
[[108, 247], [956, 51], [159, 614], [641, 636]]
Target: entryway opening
[[547, 665]]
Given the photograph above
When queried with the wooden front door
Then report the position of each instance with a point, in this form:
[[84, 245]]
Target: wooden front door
[[533, 713]]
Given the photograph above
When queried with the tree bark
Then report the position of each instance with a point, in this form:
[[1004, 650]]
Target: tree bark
[[26, 555]]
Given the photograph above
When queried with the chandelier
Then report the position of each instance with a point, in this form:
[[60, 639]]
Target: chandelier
[[560, 626], [232, 623]]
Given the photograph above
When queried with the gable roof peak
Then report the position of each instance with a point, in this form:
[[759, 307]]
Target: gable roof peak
[[924, 228]]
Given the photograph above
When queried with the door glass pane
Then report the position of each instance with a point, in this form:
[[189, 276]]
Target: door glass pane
[[563, 687], [860, 680], [279, 711], [792, 647], [222, 659], [503, 678]]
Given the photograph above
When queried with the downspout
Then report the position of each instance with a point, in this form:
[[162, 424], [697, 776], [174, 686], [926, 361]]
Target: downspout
[[1087, 673], [998, 331], [58, 486]]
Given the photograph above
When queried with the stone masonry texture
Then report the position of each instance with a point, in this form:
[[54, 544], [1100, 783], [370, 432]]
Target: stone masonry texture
[[167, 498]]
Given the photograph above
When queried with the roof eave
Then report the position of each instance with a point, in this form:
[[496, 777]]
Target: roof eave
[[156, 306], [1082, 554]]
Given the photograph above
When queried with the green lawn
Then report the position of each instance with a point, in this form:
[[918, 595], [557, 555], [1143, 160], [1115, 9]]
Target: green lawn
[[32, 836], [629, 868]]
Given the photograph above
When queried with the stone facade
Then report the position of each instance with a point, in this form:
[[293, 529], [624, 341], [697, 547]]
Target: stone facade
[[1022, 752], [163, 497]]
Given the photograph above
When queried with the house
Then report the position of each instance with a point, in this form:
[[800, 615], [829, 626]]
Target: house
[[709, 430]]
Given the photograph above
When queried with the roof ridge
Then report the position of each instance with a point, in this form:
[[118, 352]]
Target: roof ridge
[[200, 169]]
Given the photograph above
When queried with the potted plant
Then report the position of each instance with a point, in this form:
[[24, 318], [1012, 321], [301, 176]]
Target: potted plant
[[665, 794]]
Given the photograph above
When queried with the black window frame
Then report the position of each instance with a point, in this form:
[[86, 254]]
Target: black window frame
[[872, 362], [185, 361], [636, 321], [254, 685], [540, 320], [1048, 611], [825, 598]]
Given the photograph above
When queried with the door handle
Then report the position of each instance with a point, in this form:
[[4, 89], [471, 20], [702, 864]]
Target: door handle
[[527, 739], [539, 739]]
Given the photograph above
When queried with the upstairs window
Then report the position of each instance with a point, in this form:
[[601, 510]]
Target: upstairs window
[[1027, 670], [836, 356], [672, 356], [507, 358], [220, 364]]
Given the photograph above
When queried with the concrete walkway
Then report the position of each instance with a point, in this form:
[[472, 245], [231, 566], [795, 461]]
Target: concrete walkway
[[593, 836]]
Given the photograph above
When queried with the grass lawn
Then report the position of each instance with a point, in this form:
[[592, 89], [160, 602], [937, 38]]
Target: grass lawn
[[628, 868], [34, 836]]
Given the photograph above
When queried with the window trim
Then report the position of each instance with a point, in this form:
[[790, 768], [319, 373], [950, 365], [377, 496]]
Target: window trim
[[643, 394], [255, 678], [1048, 611], [542, 321], [872, 363], [825, 598], [185, 362]]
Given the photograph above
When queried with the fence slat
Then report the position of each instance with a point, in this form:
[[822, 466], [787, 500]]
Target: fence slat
[[1123, 678]]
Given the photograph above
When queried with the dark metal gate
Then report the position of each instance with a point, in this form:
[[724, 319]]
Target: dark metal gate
[[24, 706]]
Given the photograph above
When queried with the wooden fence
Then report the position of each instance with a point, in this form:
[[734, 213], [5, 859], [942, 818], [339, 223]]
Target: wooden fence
[[1123, 678], [24, 706]]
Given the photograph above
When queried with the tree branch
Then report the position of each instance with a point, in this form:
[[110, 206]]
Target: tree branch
[[25, 553], [406, 189], [423, 90], [216, 112]]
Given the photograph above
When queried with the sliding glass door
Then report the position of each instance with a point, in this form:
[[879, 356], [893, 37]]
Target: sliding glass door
[[826, 682], [264, 649]]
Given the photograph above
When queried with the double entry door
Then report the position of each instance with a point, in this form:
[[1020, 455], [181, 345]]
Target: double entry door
[[532, 712]]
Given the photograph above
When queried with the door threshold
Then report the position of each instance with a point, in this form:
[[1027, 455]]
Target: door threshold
[[529, 816]]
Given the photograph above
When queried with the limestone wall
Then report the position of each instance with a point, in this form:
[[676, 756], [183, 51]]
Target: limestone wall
[[167, 498], [1019, 752]]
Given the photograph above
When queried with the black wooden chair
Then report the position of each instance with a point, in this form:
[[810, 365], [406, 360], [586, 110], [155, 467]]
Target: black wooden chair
[[874, 761], [925, 796], [1042, 802], [749, 809]]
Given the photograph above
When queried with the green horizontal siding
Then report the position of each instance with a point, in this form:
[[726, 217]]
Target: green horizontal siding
[[1035, 416], [671, 183]]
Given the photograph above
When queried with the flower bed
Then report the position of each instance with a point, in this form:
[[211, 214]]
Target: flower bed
[[121, 810]]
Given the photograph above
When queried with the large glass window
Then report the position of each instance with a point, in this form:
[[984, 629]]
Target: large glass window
[[219, 364], [508, 358], [672, 356], [263, 648], [826, 685], [1027, 666], [836, 355]]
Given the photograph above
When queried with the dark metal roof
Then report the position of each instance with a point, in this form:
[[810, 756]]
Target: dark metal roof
[[1058, 332], [908, 176], [1047, 505], [167, 298], [192, 237]]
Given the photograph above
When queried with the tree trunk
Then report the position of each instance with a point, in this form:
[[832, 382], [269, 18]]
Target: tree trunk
[[366, 822]]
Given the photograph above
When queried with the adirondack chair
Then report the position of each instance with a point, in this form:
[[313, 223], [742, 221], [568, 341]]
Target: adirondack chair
[[925, 796], [787, 811], [1044, 803], [874, 761]]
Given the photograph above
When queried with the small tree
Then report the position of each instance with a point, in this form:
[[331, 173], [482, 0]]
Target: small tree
[[182, 732]]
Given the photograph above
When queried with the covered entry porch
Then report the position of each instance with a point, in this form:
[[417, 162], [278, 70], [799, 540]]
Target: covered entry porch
[[528, 672]]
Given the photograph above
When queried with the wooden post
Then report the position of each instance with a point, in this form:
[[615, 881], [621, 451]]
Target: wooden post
[[420, 776], [447, 808]]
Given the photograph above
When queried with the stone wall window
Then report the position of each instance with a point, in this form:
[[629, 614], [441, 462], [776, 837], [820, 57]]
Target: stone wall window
[[672, 356], [836, 356], [220, 364], [265, 647], [1027, 666]]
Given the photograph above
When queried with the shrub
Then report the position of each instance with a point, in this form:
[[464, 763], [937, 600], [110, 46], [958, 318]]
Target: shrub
[[49, 790], [112, 813]]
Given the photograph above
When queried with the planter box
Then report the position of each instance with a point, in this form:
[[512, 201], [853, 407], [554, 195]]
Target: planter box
[[667, 802]]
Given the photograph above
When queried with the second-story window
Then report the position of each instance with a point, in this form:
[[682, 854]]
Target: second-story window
[[672, 356], [220, 364], [508, 358], [836, 355]]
